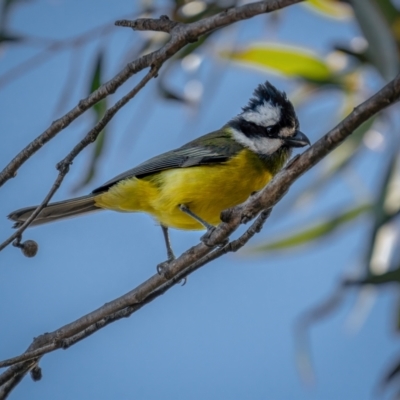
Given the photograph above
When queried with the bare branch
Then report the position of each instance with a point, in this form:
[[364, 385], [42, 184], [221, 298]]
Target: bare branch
[[180, 36], [201, 254], [16, 378], [164, 24], [126, 312], [63, 166]]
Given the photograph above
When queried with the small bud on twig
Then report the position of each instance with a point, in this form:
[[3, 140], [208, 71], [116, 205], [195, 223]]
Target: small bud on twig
[[36, 373], [29, 248]]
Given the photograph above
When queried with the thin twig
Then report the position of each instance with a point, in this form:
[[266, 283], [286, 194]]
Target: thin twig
[[63, 166], [198, 255], [163, 24], [268, 197], [181, 35], [127, 311]]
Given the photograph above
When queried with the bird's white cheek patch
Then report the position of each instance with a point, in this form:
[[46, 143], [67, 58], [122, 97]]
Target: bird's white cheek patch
[[262, 145], [267, 145]]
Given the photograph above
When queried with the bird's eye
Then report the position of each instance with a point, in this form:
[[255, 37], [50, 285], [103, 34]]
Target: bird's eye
[[270, 131]]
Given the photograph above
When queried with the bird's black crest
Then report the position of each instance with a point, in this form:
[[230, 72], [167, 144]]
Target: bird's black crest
[[268, 93]]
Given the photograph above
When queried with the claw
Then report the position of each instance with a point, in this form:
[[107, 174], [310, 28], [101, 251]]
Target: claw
[[161, 267], [183, 281], [206, 237]]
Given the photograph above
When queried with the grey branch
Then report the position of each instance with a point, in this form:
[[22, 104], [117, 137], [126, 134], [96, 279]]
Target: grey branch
[[63, 166], [164, 24], [201, 254], [181, 35]]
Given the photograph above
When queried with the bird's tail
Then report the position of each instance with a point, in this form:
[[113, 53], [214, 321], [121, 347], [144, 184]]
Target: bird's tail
[[56, 211]]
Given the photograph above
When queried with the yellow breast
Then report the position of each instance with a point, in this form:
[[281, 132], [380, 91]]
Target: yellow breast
[[206, 190]]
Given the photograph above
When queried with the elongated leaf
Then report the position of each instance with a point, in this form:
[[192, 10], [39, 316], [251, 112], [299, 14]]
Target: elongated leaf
[[315, 231], [330, 8], [292, 62], [381, 214], [99, 110], [382, 48], [392, 276], [389, 11], [95, 83]]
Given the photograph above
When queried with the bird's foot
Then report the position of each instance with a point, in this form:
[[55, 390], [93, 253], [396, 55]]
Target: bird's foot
[[162, 268], [183, 281], [206, 238]]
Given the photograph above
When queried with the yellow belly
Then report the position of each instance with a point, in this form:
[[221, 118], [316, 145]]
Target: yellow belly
[[205, 190]]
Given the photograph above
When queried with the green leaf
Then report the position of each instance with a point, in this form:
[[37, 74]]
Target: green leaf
[[99, 110], [315, 231], [382, 50], [382, 213], [291, 62], [95, 82], [389, 11], [330, 8], [392, 276]]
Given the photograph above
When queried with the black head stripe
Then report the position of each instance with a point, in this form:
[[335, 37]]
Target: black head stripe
[[252, 130]]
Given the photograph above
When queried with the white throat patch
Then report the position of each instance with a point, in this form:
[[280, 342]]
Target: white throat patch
[[260, 145], [264, 115]]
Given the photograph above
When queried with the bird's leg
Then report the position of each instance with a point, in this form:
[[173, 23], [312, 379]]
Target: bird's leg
[[161, 268], [170, 254], [210, 228], [187, 211]]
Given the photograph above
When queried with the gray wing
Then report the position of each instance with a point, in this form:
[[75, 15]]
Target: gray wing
[[179, 158]]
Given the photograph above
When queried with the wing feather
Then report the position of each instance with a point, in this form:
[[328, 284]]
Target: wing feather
[[206, 151]]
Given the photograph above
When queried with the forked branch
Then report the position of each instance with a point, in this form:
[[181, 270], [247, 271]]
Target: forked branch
[[201, 254]]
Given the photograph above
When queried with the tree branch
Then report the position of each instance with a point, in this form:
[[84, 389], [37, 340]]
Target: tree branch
[[198, 255], [181, 35], [63, 166], [163, 24], [127, 311]]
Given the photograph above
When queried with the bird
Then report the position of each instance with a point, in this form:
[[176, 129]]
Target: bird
[[188, 188]]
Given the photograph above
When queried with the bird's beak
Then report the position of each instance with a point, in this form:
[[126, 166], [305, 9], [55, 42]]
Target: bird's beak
[[299, 139]]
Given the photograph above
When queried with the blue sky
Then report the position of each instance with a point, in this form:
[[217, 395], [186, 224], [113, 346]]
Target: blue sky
[[228, 333]]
